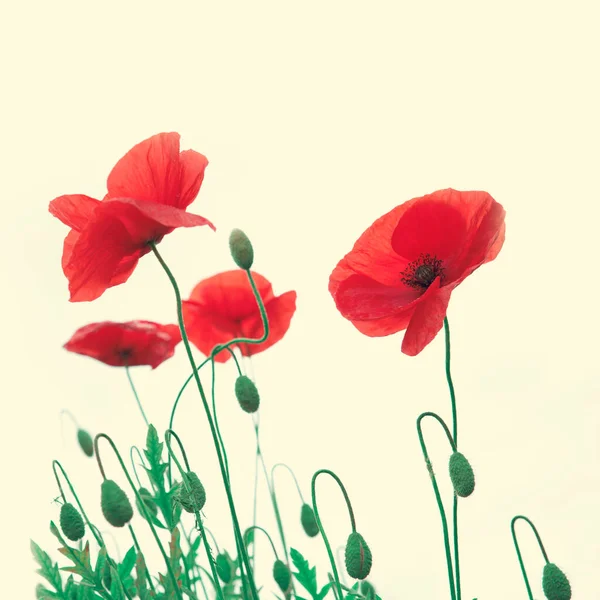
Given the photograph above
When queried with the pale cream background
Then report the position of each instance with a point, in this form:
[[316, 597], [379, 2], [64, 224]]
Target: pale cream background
[[318, 117]]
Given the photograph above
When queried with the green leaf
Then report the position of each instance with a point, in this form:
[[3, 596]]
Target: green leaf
[[128, 562], [325, 590], [80, 558], [41, 593], [141, 576], [48, 569], [116, 589], [306, 576]]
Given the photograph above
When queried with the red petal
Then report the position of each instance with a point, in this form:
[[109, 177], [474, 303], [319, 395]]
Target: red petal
[[95, 258], [74, 210], [427, 319], [154, 171]]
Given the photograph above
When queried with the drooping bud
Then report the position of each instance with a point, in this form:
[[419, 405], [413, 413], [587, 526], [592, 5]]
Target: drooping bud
[[247, 394], [224, 567], [116, 507], [308, 520], [282, 575], [86, 442], [358, 556], [196, 498], [555, 584], [71, 523], [149, 502], [367, 590], [241, 249], [461, 475]]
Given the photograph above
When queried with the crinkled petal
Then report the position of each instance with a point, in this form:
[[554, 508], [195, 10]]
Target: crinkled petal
[[193, 165], [74, 210]]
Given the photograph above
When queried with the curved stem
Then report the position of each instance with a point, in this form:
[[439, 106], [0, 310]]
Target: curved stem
[[293, 477], [131, 450], [213, 538], [214, 413], [69, 414], [188, 350], [322, 530], [168, 434], [337, 556], [141, 505], [437, 492], [137, 398], [541, 545], [253, 527]]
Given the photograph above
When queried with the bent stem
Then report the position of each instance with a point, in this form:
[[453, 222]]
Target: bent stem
[[188, 350], [141, 505], [131, 451], [322, 530], [137, 398], [168, 434], [516, 543], [437, 491], [252, 528]]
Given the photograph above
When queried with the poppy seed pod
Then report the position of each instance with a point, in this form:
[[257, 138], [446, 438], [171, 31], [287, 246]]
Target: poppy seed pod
[[282, 575], [555, 584], [308, 520], [461, 474], [71, 523], [224, 570], [358, 556], [86, 443], [148, 500], [241, 249], [116, 507], [247, 394], [196, 498]]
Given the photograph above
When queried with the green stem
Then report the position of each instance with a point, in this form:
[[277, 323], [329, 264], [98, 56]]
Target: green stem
[[321, 528], [168, 434], [137, 398], [131, 450], [140, 505], [516, 543], [252, 528], [437, 492], [195, 569], [188, 350], [293, 477], [139, 551]]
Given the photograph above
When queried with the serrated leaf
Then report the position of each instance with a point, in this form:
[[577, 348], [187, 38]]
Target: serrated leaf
[[116, 589], [100, 565], [41, 593], [128, 562], [80, 558], [48, 569], [306, 575], [324, 590]]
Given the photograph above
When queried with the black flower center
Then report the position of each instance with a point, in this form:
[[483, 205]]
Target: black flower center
[[422, 272]]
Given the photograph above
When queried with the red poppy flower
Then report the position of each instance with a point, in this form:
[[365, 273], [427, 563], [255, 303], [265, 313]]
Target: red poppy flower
[[223, 307], [126, 344], [403, 268], [148, 192]]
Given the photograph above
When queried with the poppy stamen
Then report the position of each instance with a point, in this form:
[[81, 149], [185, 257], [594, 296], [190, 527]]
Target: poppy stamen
[[422, 272]]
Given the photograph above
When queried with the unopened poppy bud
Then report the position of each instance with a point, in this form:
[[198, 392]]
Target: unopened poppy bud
[[116, 507], [196, 498], [308, 520], [282, 575], [358, 556], [247, 394], [148, 500], [224, 570], [555, 584], [86, 442], [71, 523], [461, 474], [367, 590], [241, 249]]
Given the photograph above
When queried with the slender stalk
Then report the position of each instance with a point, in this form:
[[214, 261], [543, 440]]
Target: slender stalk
[[293, 477], [168, 434], [188, 350], [252, 528], [437, 492], [321, 528], [516, 543], [139, 551], [140, 505], [341, 561], [131, 451], [137, 398]]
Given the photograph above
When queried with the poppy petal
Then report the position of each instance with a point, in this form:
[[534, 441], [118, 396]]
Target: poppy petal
[[193, 165], [149, 172], [427, 319], [74, 210], [95, 258]]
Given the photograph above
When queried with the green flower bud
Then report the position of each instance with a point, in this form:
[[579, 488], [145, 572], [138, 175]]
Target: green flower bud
[[367, 590], [241, 249], [461, 474], [224, 568], [71, 523], [149, 502], [116, 507], [86, 442], [247, 394], [308, 520], [197, 497], [282, 575], [358, 556], [555, 584]]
